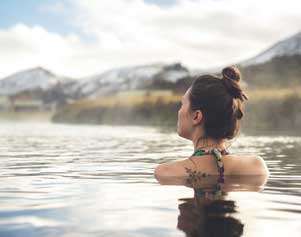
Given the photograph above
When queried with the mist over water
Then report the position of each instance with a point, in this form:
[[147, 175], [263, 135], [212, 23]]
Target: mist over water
[[68, 180]]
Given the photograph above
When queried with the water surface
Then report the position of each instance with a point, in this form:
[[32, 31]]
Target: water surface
[[67, 180]]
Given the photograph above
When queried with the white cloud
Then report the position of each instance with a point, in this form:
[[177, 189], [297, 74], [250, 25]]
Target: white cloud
[[200, 34], [23, 47]]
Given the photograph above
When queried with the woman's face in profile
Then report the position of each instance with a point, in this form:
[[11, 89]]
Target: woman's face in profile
[[184, 125]]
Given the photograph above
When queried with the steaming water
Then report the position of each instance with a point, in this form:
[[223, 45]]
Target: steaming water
[[66, 180]]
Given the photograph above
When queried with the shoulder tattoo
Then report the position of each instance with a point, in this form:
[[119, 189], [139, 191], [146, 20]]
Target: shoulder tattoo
[[194, 176]]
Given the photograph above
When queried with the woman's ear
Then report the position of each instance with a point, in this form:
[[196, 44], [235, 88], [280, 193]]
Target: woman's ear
[[197, 117]]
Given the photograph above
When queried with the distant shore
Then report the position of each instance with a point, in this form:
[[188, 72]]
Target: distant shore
[[269, 111], [44, 116]]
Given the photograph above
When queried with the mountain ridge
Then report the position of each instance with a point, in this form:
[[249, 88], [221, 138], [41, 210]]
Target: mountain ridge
[[279, 65], [31, 79], [286, 47]]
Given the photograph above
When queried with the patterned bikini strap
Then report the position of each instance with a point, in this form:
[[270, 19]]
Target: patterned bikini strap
[[218, 155]]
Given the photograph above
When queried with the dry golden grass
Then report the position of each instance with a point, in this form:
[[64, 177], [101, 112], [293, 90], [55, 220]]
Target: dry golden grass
[[129, 101], [273, 93], [135, 100], [27, 116]]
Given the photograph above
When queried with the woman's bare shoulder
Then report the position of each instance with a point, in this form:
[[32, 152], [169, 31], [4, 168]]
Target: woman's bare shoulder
[[260, 165], [250, 165], [171, 169]]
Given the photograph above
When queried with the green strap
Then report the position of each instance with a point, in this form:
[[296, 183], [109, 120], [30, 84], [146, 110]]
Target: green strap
[[218, 157], [199, 153], [217, 154]]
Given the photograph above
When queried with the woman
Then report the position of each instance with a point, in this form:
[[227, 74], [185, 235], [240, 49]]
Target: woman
[[210, 115]]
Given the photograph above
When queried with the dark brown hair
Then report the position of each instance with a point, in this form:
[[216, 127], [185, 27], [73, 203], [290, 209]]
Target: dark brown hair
[[220, 98]]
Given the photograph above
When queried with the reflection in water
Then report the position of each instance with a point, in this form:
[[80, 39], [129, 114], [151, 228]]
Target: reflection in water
[[208, 213], [205, 217]]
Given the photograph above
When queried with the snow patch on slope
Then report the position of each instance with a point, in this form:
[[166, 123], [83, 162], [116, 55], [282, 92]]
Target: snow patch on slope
[[287, 47], [32, 79]]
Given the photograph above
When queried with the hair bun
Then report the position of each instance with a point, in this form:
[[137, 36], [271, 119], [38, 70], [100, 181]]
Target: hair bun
[[231, 78], [231, 73], [238, 113]]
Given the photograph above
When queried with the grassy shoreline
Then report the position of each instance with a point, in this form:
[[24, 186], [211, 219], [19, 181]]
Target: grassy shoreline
[[26, 116], [269, 111], [272, 110]]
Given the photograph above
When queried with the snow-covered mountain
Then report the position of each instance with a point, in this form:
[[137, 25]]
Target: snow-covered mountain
[[29, 80], [278, 66], [287, 47], [128, 78], [109, 82], [283, 55]]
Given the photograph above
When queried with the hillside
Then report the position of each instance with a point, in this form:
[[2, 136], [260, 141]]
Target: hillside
[[278, 66], [282, 71]]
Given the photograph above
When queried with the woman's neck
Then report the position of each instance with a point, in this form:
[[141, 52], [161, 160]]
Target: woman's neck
[[208, 144]]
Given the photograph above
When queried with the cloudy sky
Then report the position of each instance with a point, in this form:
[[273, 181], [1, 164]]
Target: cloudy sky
[[79, 38]]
